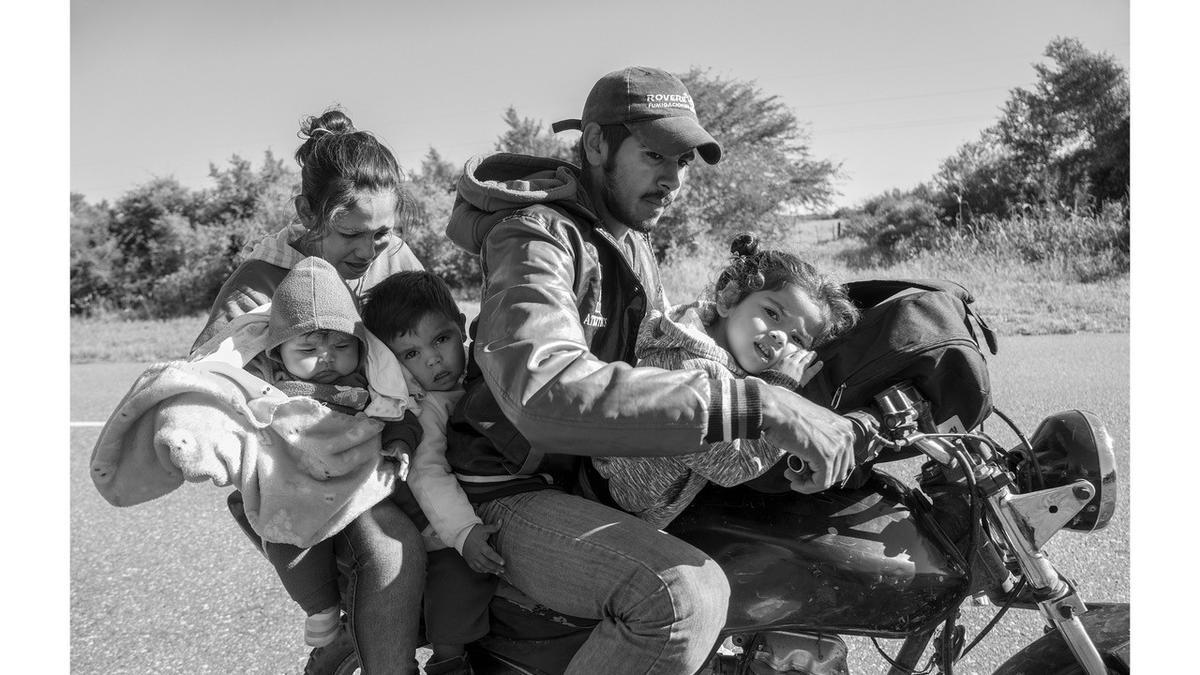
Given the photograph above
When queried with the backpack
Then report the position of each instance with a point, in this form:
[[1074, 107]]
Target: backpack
[[919, 331]]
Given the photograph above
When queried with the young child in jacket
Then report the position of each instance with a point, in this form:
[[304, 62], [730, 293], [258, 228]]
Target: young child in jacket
[[768, 310], [414, 314], [314, 348]]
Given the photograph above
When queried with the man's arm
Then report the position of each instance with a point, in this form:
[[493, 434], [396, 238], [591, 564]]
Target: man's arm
[[530, 346]]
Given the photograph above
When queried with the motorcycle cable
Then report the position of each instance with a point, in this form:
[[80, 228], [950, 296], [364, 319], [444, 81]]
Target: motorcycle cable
[[943, 654], [1028, 447], [928, 668], [995, 619], [976, 517]]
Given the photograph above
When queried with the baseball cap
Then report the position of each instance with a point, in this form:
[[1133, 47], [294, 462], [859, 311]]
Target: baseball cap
[[656, 108]]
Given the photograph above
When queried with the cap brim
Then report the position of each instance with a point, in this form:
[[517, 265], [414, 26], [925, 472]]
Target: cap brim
[[675, 136]]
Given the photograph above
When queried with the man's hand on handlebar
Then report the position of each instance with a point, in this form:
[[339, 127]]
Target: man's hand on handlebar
[[824, 440]]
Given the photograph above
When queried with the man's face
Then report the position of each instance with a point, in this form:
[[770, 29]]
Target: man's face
[[639, 184]]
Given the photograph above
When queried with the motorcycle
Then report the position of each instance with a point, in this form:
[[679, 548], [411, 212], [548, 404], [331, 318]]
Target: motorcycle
[[880, 560]]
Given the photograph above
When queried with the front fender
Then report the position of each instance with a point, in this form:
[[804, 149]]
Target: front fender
[[1106, 623]]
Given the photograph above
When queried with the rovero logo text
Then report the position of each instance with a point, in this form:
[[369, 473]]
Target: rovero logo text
[[670, 101]]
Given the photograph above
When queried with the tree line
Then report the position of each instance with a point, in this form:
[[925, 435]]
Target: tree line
[[162, 249], [1058, 156]]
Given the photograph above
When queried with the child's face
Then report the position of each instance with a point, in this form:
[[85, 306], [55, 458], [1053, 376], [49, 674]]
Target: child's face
[[766, 326], [432, 352], [321, 356]]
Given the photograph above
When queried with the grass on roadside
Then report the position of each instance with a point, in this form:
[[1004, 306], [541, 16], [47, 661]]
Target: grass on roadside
[[112, 338], [1015, 297]]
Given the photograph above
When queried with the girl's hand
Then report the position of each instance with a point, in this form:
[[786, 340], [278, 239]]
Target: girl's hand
[[800, 365], [479, 554]]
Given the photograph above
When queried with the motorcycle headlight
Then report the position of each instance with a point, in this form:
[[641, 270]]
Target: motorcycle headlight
[[1068, 446]]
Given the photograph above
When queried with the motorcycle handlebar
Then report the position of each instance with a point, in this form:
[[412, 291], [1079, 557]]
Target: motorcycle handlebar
[[901, 413], [867, 445]]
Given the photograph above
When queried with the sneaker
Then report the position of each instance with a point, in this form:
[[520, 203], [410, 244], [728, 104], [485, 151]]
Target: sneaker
[[321, 628]]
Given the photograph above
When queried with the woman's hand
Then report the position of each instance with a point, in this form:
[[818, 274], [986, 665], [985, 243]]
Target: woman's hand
[[479, 554]]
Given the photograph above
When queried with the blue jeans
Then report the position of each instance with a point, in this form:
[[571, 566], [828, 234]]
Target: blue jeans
[[661, 602], [381, 558]]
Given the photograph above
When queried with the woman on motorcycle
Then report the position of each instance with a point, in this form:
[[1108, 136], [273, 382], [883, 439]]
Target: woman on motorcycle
[[767, 312], [350, 211]]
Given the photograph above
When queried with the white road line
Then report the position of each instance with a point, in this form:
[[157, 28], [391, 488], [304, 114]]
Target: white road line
[[87, 424]]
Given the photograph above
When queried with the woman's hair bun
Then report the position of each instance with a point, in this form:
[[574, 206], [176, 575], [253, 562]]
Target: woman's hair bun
[[744, 244], [331, 121]]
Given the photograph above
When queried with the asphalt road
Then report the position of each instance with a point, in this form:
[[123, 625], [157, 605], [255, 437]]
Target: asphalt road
[[172, 586]]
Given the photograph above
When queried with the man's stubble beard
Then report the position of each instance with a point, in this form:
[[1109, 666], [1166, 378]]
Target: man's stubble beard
[[617, 210]]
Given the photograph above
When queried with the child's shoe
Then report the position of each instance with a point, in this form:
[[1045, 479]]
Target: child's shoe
[[454, 665], [321, 628]]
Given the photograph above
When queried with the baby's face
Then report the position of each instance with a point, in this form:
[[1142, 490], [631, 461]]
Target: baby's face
[[432, 352], [321, 356]]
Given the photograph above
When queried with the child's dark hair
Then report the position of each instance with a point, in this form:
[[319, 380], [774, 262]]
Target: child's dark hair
[[752, 270], [395, 306], [338, 163]]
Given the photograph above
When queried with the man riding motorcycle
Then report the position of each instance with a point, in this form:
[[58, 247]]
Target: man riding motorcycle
[[568, 276]]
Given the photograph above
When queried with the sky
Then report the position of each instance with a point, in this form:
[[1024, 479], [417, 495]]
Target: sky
[[888, 89]]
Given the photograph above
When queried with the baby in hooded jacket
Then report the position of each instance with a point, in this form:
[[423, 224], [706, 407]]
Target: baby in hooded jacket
[[316, 347]]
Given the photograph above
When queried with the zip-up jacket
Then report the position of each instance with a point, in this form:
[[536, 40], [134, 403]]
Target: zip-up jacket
[[550, 376]]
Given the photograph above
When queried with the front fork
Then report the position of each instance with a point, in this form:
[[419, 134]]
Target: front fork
[[1057, 599], [1027, 521]]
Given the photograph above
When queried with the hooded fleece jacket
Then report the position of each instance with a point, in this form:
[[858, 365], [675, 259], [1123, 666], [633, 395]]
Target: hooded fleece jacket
[[312, 297], [551, 365]]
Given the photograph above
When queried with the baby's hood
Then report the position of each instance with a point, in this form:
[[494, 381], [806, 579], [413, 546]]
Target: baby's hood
[[312, 297], [493, 186]]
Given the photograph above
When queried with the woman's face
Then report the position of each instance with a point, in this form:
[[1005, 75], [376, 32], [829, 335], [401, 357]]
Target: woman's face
[[358, 235]]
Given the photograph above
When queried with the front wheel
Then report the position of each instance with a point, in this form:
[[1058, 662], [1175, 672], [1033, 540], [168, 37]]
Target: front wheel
[[1107, 625]]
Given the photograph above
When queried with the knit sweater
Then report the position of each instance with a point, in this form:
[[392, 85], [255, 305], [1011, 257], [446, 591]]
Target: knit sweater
[[656, 489]]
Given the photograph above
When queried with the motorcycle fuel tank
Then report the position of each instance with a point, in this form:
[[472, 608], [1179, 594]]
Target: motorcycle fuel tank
[[845, 561]]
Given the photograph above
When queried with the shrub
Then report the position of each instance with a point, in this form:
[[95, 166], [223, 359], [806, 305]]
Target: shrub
[[1090, 246], [892, 222], [458, 268]]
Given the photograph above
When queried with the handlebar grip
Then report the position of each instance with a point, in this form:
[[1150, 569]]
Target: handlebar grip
[[798, 465], [868, 422]]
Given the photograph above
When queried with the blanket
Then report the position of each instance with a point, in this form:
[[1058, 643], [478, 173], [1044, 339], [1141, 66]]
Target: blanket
[[305, 471]]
